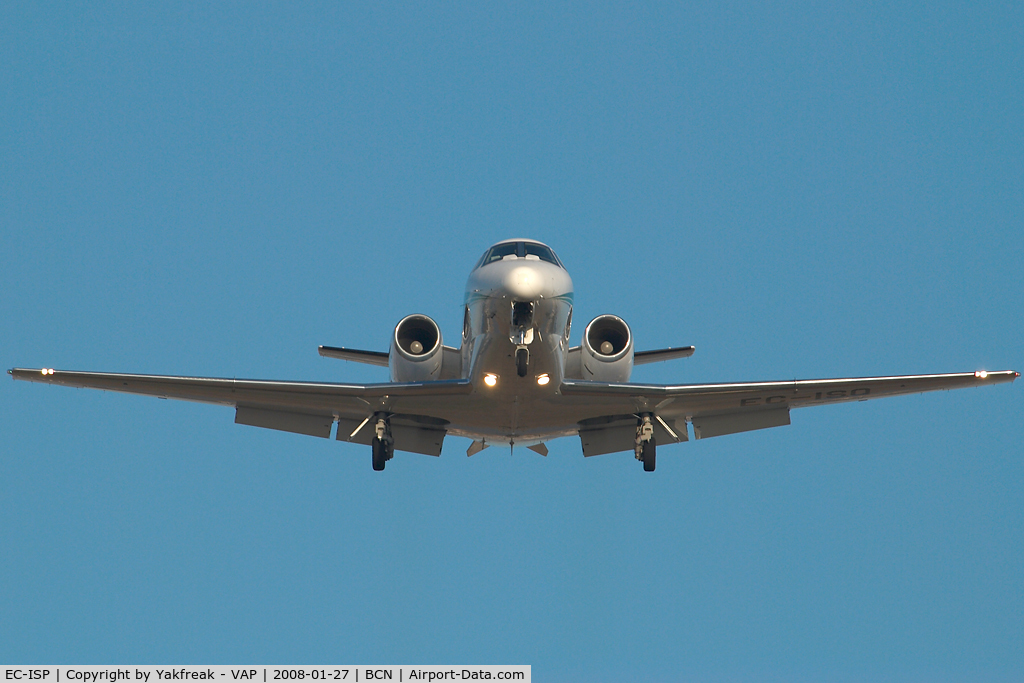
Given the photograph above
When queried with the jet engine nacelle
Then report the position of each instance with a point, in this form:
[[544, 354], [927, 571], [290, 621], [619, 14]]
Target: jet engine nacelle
[[607, 350], [416, 351]]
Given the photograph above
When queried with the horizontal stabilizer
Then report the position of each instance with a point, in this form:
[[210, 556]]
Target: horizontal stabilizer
[[658, 355], [355, 355]]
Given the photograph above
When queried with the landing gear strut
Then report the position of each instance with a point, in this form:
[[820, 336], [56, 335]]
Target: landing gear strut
[[645, 448], [382, 444]]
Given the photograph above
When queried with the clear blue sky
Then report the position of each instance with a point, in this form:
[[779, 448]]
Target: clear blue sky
[[798, 189]]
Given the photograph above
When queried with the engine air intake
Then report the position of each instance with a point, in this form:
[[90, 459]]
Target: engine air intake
[[417, 335], [416, 352], [608, 335], [607, 353]]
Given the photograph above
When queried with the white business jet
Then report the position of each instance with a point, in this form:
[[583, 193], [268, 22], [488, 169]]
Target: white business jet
[[514, 379]]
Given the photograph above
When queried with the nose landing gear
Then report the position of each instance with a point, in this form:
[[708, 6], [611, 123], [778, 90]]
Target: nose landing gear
[[645, 448], [522, 334]]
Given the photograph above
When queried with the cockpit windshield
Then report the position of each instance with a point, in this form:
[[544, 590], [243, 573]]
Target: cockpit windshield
[[525, 250]]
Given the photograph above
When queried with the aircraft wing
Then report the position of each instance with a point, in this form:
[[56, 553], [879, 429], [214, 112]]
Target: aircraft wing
[[717, 409], [604, 413], [302, 407]]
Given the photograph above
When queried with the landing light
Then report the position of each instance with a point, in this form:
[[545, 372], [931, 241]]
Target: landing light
[[490, 380], [981, 374], [543, 379]]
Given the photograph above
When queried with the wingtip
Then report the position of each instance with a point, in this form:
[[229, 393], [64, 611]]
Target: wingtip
[[28, 373]]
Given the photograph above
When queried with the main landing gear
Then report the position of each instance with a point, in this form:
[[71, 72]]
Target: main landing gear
[[645, 448], [383, 445]]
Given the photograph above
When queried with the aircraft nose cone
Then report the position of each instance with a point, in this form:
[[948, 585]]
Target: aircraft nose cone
[[523, 283]]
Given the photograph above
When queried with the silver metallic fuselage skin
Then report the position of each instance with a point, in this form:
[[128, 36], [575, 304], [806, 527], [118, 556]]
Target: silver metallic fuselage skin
[[490, 341]]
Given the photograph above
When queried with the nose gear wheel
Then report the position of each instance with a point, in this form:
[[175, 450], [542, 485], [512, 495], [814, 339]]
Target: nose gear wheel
[[522, 361]]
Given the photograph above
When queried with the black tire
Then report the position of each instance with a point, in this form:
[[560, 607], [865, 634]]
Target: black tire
[[380, 454], [649, 454], [522, 362]]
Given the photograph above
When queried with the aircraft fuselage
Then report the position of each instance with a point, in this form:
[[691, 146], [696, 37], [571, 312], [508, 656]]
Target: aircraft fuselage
[[515, 305]]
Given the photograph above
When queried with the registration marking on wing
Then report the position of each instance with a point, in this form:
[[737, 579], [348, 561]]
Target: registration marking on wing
[[818, 396]]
